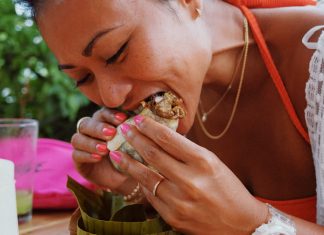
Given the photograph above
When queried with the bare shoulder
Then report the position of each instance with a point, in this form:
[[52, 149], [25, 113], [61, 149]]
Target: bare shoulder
[[283, 29], [282, 24]]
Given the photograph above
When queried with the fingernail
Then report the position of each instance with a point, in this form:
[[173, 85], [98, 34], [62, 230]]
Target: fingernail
[[138, 119], [115, 156], [96, 156], [101, 148], [109, 131], [120, 116], [124, 128]]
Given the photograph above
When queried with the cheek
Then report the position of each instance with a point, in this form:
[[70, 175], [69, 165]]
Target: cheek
[[147, 63], [91, 92], [152, 62]]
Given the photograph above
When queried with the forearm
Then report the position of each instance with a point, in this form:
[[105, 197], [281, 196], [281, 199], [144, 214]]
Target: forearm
[[307, 228]]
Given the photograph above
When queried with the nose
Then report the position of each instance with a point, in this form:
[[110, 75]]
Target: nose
[[113, 89]]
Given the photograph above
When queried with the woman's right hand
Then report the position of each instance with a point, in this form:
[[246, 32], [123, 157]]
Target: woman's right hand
[[90, 153]]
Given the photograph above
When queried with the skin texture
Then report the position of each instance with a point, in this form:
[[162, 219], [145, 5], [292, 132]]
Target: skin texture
[[262, 154]]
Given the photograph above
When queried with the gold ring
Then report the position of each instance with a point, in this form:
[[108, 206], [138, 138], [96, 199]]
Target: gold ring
[[79, 123], [156, 186]]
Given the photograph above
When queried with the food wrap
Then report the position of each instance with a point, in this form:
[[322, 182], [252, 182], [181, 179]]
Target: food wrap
[[164, 108]]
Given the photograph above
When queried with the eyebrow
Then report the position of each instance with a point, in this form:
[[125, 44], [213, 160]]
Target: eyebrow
[[88, 49], [65, 66]]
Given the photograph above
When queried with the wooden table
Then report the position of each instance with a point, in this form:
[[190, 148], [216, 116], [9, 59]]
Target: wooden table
[[47, 223]]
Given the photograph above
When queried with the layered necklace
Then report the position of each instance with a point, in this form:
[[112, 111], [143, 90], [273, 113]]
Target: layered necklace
[[203, 115]]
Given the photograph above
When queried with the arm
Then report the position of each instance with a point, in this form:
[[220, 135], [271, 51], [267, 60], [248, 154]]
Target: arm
[[307, 228]]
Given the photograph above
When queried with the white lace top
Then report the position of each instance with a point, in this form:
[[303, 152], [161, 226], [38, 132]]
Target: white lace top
[[314, 114]]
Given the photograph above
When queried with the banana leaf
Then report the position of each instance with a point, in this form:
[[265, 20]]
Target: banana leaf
[[104, 213]]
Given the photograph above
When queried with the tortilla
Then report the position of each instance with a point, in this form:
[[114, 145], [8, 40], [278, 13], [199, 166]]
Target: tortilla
[[164, 108]]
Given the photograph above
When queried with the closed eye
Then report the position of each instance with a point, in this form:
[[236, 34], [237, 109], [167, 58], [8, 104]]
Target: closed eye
[[115, 57], [83, 80]]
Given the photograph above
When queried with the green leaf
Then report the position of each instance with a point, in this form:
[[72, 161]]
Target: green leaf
[[81, 229], [90, 202], [131, 213], [128, 220]]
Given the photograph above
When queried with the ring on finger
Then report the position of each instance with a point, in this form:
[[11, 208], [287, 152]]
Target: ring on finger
[[79, 123], [156, 186]]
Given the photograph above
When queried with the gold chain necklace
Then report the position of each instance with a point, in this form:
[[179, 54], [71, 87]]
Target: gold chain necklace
[[202, 118], [229, 87]]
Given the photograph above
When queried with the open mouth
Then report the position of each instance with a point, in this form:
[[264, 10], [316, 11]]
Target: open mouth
[[165, 105], [162, 103]]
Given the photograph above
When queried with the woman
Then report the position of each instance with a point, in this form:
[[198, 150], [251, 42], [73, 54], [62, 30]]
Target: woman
[[121, 52]]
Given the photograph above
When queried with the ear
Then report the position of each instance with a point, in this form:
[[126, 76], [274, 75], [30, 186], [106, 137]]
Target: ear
[[194, 6]]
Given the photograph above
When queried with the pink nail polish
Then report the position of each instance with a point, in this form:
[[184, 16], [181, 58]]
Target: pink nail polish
[[115, 156], [109, 131], [101, 148], [138, 119], [96, 156], [120, 116], [124, 128]]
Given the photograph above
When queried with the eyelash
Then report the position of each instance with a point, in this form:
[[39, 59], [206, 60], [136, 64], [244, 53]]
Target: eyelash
[[82, 80], [109, 61], [115, 57]]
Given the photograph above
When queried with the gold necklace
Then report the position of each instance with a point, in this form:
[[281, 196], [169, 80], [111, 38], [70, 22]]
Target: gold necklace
[[203, 117], [229, 87]]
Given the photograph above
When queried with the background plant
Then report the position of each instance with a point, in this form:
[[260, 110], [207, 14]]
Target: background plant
[[30, 84]]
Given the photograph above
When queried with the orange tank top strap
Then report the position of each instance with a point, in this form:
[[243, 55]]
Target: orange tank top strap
[[245, 6]]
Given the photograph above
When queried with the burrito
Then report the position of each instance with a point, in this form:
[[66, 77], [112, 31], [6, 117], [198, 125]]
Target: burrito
[[164, 108]]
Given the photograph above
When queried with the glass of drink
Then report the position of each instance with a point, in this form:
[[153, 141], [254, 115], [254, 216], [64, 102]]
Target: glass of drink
[[18, 140]]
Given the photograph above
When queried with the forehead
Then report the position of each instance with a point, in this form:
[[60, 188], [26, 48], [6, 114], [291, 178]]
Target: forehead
[[69, 24]]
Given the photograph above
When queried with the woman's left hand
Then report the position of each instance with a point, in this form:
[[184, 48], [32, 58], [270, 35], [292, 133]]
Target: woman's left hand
[[198, 194]]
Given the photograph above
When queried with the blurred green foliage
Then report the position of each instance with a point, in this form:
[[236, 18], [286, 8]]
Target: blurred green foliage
[[30, 84]]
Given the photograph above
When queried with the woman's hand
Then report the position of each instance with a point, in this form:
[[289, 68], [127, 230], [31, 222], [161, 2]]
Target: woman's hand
[[90, 149], [198, 194]]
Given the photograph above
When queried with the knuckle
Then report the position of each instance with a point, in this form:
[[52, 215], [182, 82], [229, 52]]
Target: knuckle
[[214, 164], [75, 156], [200, 152], [206, 160], [98, 127], [74, 139], [207, 164], [104, 114], [124, 165], [150, 153], [193, 190], [144, 177], [165, 136], [99, 113], [83, 125]]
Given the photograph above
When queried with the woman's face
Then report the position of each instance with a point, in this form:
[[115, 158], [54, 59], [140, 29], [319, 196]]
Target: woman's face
[[119, 52]]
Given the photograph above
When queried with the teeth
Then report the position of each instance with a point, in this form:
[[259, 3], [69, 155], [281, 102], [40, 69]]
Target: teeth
[[154, 96], [158, 99]]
